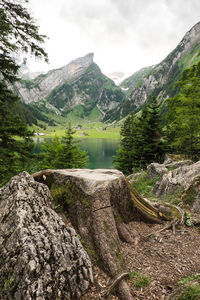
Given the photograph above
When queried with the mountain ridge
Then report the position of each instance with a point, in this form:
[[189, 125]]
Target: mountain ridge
[[79, 89], [160, 80]]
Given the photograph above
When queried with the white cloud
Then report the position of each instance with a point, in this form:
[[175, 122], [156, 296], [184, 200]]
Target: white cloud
[[124, 34]]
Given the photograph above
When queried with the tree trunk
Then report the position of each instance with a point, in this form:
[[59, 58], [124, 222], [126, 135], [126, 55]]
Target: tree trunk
[[99, 203]]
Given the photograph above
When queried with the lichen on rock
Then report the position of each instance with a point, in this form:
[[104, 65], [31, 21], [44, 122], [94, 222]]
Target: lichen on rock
[[40, 257]]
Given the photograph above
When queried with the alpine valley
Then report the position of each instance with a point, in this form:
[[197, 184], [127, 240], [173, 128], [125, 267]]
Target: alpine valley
[[80, 92]]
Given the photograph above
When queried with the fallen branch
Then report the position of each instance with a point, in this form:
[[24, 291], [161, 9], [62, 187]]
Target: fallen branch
[[172, 225]]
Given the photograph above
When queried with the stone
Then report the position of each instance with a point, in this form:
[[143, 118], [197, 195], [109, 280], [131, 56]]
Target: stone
[[40, 257], [155, 169], [179, 178], [131, 178]]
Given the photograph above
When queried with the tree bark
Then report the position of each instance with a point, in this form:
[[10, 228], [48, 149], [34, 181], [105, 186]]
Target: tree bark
[[99, 203]]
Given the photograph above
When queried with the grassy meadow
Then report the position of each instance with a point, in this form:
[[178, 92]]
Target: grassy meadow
[[86, 130]]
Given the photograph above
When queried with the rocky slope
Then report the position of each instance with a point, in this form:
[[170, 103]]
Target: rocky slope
[[78, 88], [159, 80], [175, 181]]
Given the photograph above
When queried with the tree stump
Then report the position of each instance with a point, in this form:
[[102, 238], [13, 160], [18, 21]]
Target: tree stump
[[98, 203]]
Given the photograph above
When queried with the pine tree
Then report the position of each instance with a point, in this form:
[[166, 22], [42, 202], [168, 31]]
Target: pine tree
[[18, 34], [184, 115], [141, 141], [150, 143], [125, 156], [63, 153]]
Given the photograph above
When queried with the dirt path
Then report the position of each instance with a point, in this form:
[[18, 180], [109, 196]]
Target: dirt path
[[166, 258]]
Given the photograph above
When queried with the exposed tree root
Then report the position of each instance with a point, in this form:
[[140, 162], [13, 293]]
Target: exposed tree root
[[172, 225], [113, 285]]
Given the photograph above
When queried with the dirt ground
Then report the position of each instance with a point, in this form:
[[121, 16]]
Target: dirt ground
[[165, 258]]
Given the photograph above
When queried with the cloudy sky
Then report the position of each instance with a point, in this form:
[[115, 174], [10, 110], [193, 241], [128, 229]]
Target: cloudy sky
[[125, 35]]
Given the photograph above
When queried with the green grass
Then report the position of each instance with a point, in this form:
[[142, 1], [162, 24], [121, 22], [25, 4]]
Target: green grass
[[91, 130], [190, 288], [144, 185], [138, 280], [191, 292], [188, 279]]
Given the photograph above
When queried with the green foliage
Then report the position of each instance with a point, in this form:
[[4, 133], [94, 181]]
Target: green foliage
[[61, 95], [139, 280], [190, 57], [6, 282], [141, 141], [188, 279], [17, 33], [63, 153], [144, 184], [184, 115], [14, 153], [190, 289], [188, 219], [174, 196], [191, 292], [125, 154]]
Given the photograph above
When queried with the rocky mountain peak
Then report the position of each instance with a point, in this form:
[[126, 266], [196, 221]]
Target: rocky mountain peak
[[192, 36], [42, 85], [86, 60], [159, 80]]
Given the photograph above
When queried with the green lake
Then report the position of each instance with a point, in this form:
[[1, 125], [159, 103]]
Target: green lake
[[100, 151]]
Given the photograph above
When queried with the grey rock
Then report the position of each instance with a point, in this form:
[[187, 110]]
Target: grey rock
[[40, 257], [131, 178], [155, 169], [179, 178], [45, 84]]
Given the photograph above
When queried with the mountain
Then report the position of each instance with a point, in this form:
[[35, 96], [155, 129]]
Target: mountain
[[159, 80], [78, 90], [135, 81]]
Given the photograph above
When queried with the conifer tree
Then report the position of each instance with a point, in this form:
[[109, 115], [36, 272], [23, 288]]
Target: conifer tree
[[63, 153], [150, 142], [141, 141], [18, 34], [125, 156], [184, 115]]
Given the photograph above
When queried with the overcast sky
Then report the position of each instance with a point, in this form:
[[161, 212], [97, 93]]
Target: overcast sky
[[125, 35]]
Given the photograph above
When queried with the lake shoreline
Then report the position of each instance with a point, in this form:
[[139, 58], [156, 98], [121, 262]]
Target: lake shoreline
[[100, 150]]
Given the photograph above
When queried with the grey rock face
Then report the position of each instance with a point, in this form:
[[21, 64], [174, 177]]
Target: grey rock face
[[155, 169], [164, 71], [180, 177], [45, 84], [40, 257]]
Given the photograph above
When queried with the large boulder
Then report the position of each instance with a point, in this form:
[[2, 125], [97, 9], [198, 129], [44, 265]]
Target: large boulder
[[40, 257], [178, 179]]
